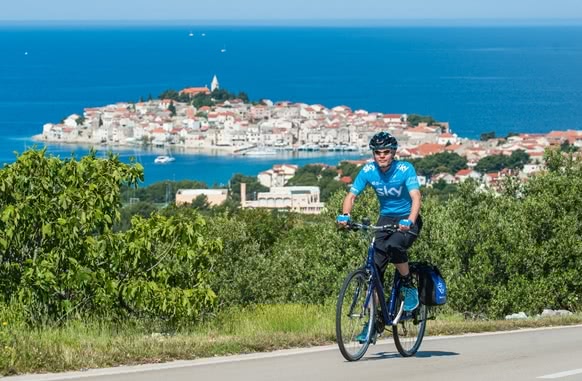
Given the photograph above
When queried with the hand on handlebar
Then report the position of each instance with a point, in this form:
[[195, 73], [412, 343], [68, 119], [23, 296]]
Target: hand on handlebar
[[343, 220], [405, 225]]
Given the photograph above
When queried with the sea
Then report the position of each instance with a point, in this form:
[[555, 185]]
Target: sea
[[479, 79]]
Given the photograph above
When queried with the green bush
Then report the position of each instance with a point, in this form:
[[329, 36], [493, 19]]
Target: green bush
[[518, 250], [60, 258]]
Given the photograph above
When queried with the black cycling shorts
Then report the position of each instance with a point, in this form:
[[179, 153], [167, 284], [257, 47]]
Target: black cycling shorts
[[392, 247]]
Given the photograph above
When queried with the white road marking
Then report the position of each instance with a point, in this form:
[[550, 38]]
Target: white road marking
[[563, 374]]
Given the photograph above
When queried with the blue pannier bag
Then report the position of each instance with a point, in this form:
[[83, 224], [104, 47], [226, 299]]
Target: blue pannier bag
[[432, 289]]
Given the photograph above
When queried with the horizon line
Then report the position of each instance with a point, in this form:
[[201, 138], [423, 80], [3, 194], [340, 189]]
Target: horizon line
[[329, 22]]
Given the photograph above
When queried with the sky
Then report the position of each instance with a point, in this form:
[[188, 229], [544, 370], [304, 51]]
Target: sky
[[273, 10]]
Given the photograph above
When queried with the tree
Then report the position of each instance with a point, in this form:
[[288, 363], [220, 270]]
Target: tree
[[565, 146], [200, 202], [487, 135], [492, 163], [141, 208], [172, 108], [518, 159], [243, 96], [303, 179], [495, 163], [61, 257], [252, 185], [349, 169], [415, 120], [449, 162], [157, 192], [441, 190], [328, 186], [201, 100], [169, 94], [308, 175]]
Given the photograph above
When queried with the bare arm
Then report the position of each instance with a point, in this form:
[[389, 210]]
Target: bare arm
[[348, 203], [347, 207], [415, 208]]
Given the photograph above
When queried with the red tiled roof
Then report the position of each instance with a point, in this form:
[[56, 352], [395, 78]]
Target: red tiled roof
[[429, 149], [195, 90], [419, 129], [463, 172]]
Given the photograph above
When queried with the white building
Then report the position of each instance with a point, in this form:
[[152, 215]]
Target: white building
[[300, 199], [278, 175], [214, 85], [213, 196]]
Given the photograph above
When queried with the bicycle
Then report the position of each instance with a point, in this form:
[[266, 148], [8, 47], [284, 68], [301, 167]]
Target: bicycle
[[357, 311]]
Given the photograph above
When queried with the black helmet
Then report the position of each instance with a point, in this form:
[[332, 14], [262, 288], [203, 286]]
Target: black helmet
[[383, 140]]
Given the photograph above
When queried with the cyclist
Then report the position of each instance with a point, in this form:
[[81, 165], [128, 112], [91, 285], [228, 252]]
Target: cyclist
[[397, 189]]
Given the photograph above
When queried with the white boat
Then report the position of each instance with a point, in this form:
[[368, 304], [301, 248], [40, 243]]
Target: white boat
[[308, 147], [260, 152], [163, 159], [345, 147], [191, 34]]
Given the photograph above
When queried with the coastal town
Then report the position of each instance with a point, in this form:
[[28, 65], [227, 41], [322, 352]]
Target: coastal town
[[237, 127]]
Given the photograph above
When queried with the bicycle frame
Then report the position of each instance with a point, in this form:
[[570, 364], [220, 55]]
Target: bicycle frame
[[389, 313]]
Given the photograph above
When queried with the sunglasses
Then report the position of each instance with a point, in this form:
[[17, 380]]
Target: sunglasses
[[383, 153]]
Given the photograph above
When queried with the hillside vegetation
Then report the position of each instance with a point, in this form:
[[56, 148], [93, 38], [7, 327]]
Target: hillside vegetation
[[61, 261]]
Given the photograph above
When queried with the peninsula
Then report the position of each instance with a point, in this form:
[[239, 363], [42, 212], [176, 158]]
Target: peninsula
[[237, 126]]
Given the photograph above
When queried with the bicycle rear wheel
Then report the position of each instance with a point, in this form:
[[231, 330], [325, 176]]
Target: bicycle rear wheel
[[354, 316], [409, 331]]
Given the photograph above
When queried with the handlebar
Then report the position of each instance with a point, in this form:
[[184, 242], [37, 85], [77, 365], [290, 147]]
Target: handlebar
[[374, 228]]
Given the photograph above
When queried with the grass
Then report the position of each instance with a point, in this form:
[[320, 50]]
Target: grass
[[95, 344]]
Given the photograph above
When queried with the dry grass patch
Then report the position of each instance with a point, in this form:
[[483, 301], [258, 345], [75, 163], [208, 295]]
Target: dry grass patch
[[79, 345]]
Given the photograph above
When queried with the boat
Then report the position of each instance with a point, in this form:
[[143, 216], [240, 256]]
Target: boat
[[260, 152], [191, 34], [309, 147], [345, 147], [164, 159]]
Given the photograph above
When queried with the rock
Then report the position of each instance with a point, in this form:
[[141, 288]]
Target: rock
[[548, 313], [520, 315]]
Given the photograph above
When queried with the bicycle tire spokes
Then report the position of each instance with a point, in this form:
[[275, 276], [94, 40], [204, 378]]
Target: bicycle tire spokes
[[354, 301], [409, 331], [353, 316]]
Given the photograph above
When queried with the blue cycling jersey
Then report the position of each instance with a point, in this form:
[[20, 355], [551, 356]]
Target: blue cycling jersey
[[392, 187]]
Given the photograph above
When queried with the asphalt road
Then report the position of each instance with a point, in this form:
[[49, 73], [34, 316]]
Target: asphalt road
[[551, 353]]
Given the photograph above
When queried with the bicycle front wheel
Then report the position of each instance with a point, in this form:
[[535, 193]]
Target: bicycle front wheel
[[408, 333], [354, 316]]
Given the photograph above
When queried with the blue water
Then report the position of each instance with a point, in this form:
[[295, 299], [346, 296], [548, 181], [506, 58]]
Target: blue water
[[501, 79]]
